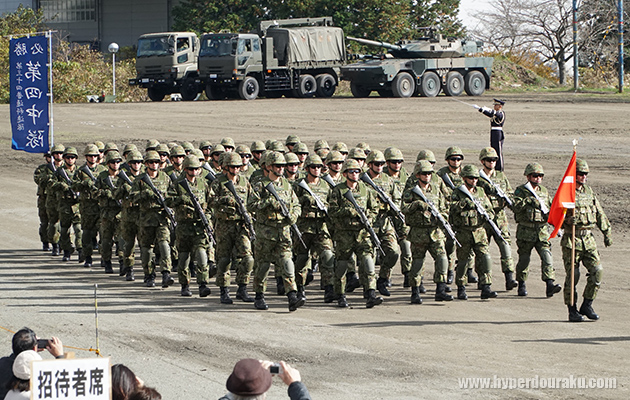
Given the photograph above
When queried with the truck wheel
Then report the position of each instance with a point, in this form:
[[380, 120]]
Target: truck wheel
[[403, 85], [215, 92], [307, 86], [189, 90], [155, 94], [248, 88], [359, 91], [430, 85], [454, 84], [475, 83], [326, 85]]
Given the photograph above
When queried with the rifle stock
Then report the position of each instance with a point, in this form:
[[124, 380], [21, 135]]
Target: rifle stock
[[498, 189], [318, 201], [145, 178], [199, 209], [482, 211], [364, 220], [383, 196]]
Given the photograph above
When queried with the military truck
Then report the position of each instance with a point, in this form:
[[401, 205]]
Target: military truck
[[167, 63], [294, 57], [424, 66]]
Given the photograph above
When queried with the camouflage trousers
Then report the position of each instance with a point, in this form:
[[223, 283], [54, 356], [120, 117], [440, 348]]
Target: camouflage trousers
[[43, 219], [128, 233], [528, 238], [148, 237], [389, 242], [110, 234], [432, 240], [192, 242], [505, 248], [402, 231], [587, 254], [349, 242], [90, 217], [233, 244], [476, 241], [69, 217], [276, 251], [52, 231], [319, 244]]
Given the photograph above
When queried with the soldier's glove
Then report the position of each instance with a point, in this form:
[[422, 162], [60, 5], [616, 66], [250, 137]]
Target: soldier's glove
[[608, 241], [187, 200], [534, 202], [227, 200], [270, 202], [147, 194], [466, 204], [480, 109]]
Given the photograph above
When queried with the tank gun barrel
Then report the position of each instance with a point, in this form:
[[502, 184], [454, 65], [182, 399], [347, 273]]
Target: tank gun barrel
[[375, 43]]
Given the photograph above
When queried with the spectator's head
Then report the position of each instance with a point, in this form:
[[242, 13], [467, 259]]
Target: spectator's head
[[22, 370], [124, 382], [145, 393], [24, 339], [249, 380]]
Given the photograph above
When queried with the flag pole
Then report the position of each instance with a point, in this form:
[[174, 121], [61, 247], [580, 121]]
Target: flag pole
[[572, 303]]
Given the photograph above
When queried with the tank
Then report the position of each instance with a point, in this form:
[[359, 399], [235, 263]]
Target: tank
[[425, 67]]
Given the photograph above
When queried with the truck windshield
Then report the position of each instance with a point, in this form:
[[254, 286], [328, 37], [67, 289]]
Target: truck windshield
[[158, 46], [218, 46]]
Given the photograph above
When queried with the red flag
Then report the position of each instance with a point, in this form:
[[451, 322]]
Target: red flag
[[564, 198]]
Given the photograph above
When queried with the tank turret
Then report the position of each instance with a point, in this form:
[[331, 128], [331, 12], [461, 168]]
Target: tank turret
[[438, 46]]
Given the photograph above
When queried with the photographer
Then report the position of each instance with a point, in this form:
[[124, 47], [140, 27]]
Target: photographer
[[251, 379]]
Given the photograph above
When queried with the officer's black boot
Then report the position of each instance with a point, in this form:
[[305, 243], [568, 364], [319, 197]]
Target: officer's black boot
[[449, 277], [225, 296], [45, 246], [186, 290], [587, 310], [129, 275], [88, 262], [329, 294], [372, 299], [421, 288], [279, 286], [301, 293], [461, 293], [66, 255], [406, 283], [487, 293], [260, 303], [471, 277], [381, 285], [522, 289], [352, 282], [440, 293], [552, 288], [415, 295], [204, 291], [295, 302], [510, 283], [108, 267], [167, 279], [241, 293], [574, 315], [55, 249], [342, 302]]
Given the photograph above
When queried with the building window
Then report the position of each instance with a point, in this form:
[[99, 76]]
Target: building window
[[68, 10]]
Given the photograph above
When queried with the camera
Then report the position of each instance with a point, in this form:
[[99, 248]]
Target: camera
[[42, 343], [275, 369]]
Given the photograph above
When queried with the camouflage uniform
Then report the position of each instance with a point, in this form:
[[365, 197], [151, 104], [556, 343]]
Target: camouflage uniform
[[110, 213], [457, 181], [129, 220], [69, 216], [41, 175]]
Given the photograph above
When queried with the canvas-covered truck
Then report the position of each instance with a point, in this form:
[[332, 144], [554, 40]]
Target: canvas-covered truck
[[422, 67], [294, 57], [166, 63]]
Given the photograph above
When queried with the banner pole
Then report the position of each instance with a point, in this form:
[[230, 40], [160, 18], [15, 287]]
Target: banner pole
[[573, 258], [51, 133]]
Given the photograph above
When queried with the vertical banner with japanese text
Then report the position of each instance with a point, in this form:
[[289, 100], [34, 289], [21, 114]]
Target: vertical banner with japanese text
[[28, 57]]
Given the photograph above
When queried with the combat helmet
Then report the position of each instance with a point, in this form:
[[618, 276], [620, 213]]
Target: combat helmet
[[264, 156], [258, 145], [276, 158], [394, 154], [134, 155], [188, 147], [242, 150], [112, 155], [300, 148], [199, 154], [323, 153], [470, 171], [129, 147], [488, 152], [227, 142], [277, 146], [151, 144], [313, 159], [58, 148], [292, 140], [321, 144], [206, 144], [91, 150], [350, 164], [334, 156], [357, 154], [70, 151], [191, 161], [364, 146], [340, 147], [422, 166], [453, 151], [581, 166], [232, 160], [110, 146], [162, 148], [178, 151], [534, 168], [100, 145], [217, 149], [151, 155], [426, 155], [375, 156], [291, 158]]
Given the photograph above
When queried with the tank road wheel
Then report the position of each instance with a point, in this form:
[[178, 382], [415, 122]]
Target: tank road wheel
[[155, 94], [307, 86], [430, 85], [248, 88], [326, 85], [215, 92], [475, 83], [359, 91], [189, 90], [454, 84], [403, 85]]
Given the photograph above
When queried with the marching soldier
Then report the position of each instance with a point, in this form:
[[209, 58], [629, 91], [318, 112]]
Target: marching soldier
[[334, 161], [176, 155], [110, 208], [587, 215], [246, 155], [257, 148], [531, 210], [42, 176], [206, 148], [68, 201], [291, 141], [52, 203], [301, 151], [292, 169]]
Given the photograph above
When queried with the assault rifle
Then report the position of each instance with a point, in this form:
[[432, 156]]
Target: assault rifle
[[448, 181], [543, 206], [109, 183], [383, 196], [482, 211], [64, 175], [199, 209], [84, 168], [211, 175], [169, 213], [436, 213], [364, 220], [242, 210], [326, 178], [497, 188], [122, 174], [285, 212], [318, 201]]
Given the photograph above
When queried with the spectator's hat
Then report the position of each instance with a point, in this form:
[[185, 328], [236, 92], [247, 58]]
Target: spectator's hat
[[248, 378], [22, 364]]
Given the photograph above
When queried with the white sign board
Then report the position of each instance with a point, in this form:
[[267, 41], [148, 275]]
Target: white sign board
[[80, 379]]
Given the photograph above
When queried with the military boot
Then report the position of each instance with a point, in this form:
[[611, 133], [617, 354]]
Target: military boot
[[295, 301], [241, 293], [212, 269], [225, 296], [510, 283], [88, 262], [309, 277], [461, 293], [66, 255], [81, 256], [108, 267], [415, 295], [574, 315], [372, 299], [406, 283], [522, 289], [449, 277], [45, 246], [260, 303], [186, 291], [121, 269], [487, 293], [381, 285], [552, 288], [352, 282], [440, 293], [279, 286], [342, 302], [204, 291], [167, 279], [329, 294], [55, 249], [129, 275], [301, 293], [149, 280], [587, 309], [471, 277]]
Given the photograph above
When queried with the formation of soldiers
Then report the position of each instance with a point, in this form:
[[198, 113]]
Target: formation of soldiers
[[213, 211]]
